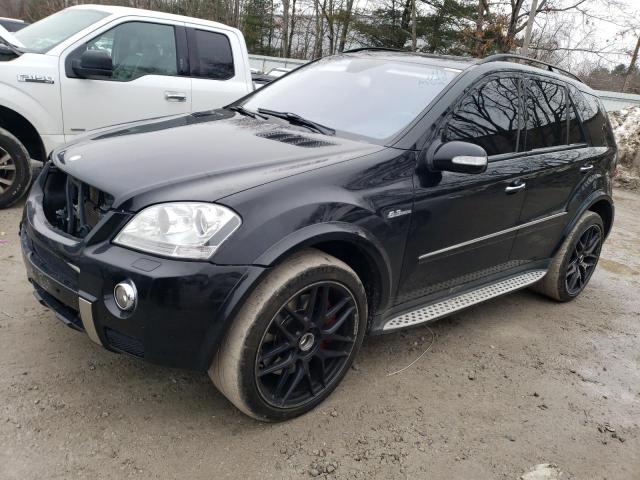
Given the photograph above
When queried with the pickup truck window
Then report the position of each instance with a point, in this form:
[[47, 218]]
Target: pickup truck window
[[488, 117], [138, 49], [212, 57], [42, 36]]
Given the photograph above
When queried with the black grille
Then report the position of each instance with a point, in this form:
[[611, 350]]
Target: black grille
[[124, 343], [294, 139], [71, 205]]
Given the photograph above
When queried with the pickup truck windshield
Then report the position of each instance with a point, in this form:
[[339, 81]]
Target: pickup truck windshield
[[363, 97], [42, 36]]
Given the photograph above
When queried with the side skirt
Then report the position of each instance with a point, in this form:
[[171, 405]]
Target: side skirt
[[461, 301]]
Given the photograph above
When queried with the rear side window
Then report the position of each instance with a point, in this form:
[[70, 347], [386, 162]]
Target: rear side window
[[575, 130], [592, 116], [212, 56], [546, 114], [488, 117]]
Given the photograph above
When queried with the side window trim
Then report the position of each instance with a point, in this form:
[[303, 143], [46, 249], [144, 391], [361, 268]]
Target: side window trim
[[178, 30]]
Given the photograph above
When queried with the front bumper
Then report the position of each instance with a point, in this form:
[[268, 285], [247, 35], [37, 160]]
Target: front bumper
[[183, 308]]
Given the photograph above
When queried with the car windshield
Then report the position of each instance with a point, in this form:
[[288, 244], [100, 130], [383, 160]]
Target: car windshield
[[42, 36], [357, 96]]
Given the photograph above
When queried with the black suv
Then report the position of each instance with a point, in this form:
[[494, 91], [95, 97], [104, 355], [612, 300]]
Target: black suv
[[361, 194]]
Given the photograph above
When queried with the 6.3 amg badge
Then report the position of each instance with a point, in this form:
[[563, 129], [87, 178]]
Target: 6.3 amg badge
[[35, 78]]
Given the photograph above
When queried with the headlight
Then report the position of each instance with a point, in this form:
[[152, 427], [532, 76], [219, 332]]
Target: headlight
[[182, 230]]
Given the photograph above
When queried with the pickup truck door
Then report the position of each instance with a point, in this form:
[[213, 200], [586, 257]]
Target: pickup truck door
[[149, 77], [219, 67]]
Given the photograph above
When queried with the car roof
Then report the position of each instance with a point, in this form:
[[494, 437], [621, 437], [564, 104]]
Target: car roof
[[7, 19], [126, 11]]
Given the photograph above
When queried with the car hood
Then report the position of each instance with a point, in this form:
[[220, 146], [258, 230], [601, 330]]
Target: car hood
[[199, 157]]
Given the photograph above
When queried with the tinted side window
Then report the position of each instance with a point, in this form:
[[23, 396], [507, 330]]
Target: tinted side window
[[138, 49], [213, 57], [592, 116], [489, 117], [546, 108]]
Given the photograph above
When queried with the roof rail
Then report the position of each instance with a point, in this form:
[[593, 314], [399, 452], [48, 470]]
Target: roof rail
[[457, 58], [384, 49], [509, 56]]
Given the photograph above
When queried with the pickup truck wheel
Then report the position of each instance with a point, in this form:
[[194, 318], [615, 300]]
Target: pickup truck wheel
[[15, 169], [575, 262], [294, 339]]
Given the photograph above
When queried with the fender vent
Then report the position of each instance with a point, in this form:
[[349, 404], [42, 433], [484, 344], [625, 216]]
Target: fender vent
[[294, 139]]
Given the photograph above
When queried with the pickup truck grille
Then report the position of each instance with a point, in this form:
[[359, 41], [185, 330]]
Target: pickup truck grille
[[72, 206]]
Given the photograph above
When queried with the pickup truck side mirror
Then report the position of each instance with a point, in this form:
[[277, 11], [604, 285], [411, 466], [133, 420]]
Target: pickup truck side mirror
[[94, 64], [460, 157]]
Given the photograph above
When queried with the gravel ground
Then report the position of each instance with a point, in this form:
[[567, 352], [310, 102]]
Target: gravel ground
[[507, 385]]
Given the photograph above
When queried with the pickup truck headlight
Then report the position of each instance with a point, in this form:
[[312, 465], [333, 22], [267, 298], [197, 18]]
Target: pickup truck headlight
[[181, 230]]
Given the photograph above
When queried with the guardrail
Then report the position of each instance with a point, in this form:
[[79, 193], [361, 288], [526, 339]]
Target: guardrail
[[617, 101], [265, 63]]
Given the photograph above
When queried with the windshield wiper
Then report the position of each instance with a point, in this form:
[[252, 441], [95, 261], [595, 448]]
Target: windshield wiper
[[15, 50], [240, 109], [297, 119]]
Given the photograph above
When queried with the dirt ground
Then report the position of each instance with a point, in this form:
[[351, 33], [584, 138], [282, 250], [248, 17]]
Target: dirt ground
[[510, 384]]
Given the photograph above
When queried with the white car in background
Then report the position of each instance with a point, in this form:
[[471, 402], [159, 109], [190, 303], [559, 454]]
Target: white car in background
[[94, 66]]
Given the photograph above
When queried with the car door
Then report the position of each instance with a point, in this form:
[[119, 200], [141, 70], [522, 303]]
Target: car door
[[148, 80], [218, 68], [463, 225], [558, 154]]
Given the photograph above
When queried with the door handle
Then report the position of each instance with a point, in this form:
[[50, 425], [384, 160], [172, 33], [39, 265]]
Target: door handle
[[586, 168], [515, 188], [175, 96]]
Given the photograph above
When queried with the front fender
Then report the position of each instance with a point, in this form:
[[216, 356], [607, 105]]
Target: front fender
[[334, 232], [39, 103]]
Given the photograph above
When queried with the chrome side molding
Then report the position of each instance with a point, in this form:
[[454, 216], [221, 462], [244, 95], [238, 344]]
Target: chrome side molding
[[491, 235]]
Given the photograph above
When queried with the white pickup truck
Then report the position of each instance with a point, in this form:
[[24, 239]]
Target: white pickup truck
[[95, 66]]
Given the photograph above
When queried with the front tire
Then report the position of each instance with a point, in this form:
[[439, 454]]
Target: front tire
[[294, 339], [15, 169], [575, 262]]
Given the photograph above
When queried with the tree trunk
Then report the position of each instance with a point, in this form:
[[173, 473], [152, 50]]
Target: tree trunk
[[345, 26], [527, 33], [414, 39], [632, 66], [285, 27], [292, 29], [317, 51]]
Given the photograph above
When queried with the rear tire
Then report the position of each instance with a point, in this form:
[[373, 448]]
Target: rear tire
[[15, 169], [283, 314], [575, 262]]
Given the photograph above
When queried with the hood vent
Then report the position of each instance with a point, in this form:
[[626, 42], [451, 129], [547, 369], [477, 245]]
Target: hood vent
[[294, 139]]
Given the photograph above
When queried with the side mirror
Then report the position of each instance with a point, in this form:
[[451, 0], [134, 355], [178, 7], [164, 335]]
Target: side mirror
[[95, 64], [461, 157]]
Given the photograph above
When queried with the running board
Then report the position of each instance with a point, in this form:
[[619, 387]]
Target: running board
[[464, 300]]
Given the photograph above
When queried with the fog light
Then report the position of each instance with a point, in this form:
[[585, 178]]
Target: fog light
[[125, 295]]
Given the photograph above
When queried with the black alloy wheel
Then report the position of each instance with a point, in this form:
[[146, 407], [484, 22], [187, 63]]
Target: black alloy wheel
[[583, 259], [307, 345]]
